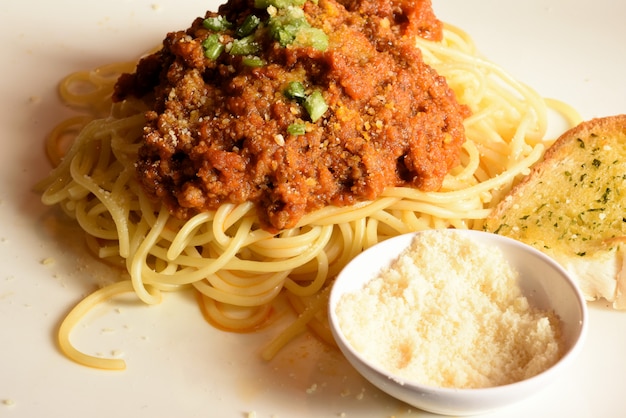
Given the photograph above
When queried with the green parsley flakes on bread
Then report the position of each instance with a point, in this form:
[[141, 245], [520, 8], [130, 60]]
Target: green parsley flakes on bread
[[572, 206]]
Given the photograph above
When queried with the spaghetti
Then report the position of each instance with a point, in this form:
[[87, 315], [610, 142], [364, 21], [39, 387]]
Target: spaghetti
[[239, 269]]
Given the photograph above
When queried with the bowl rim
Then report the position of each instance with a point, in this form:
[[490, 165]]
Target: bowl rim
[[354, 356]]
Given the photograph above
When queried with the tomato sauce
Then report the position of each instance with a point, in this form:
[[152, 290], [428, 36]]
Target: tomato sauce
[[225, 128]]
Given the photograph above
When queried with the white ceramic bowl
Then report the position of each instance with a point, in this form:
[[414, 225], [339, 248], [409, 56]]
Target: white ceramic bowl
[[545, 284]]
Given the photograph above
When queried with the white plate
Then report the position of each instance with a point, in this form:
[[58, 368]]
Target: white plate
[[177, 365]]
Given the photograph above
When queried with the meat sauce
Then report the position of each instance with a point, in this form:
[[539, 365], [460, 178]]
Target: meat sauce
[[224, 126]]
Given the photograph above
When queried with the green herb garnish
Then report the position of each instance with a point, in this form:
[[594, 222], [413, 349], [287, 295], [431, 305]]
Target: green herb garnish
[[315, 105], [248, 26], [244, 46], [212, 47], [289, 26], [216, 23], [295, 91], [252, 61], [296, 129]]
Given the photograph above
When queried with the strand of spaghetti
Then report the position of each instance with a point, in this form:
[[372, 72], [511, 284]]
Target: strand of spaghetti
[[92, 89], [205, 271], [254, 287], [333, 250], [190, 261], [298, 326], [119, 187], [371, 233], [108, 74], [441, 212], [327, 212], [286, 264], [227, 215], [252, 283], [518, 141], [164, 275], [209, 291], [336, 215], [98, 214], [103, 159], [457, 38], [146, 211], [79, 90], [96, 209], [89, 225], [390, 220], [286, 240], [482, 116], [384, 230], [319, 327], [125, 146], [216, 315], [467, 172], [76, 314], [238, 212], [233, 247], [452, 183], [287, 247], [196, 239], [338, 250], [460, 56], [441, 198], [110, 201], [135, 264], [55, 185], [316, 284], [220, 225], [165, 269], [319, 238], [413, 221], [196, 260], [58, 185], [185, 234], [55, 149], [488, 141], [102, 251], [571, 115], [360, 226]]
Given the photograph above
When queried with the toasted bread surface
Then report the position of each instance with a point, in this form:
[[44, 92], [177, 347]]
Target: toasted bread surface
[[571, 206]]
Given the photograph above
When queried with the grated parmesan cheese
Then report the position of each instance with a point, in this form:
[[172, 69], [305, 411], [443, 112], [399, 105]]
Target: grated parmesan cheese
[[449, 313]]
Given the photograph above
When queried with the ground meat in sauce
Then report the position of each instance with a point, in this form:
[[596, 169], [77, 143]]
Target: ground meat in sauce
[[218, 131]]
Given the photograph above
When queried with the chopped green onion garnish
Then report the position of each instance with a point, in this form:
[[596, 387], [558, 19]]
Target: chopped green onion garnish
[[253, 61], [285, 25], [248, 26], [315, 105], [279, 4], [285, 35], [289, 26], [213, 48], [216, 23], [295, 91], [296, 129], [313, 37], [245, 46]]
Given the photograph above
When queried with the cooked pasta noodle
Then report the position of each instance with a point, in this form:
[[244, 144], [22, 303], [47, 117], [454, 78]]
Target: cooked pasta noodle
[[239, 269]]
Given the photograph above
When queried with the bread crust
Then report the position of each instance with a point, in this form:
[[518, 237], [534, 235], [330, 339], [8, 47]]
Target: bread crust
[[599, 262]]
